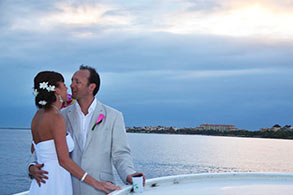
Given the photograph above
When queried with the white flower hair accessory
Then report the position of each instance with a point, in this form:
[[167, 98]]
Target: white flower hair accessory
[[51, 88], [43, 85], [43, 102], [35, 92]]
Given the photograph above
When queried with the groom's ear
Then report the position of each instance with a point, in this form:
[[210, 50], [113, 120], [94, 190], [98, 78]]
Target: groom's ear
[[92, 87]]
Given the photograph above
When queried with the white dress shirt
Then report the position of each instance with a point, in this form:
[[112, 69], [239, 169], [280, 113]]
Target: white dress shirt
[[85, 121]]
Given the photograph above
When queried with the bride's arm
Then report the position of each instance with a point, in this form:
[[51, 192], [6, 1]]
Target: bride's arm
[[59, 134]]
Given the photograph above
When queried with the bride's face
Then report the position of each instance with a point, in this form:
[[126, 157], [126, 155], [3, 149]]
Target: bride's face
[[63, 90]]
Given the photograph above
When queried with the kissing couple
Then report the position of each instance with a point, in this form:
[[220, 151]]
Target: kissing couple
[[74, 149]]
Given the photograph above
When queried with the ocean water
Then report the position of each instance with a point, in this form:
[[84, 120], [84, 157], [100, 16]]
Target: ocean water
[[162, 155]]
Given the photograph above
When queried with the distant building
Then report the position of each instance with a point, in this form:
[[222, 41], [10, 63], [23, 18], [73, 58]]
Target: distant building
[[217, 127], [276, 127], [265, 129]]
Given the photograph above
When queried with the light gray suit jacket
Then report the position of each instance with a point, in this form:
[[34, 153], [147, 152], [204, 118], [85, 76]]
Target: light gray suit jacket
[[106, 145]]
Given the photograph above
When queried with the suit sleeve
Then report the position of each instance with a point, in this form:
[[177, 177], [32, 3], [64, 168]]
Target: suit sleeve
[[31, 161], [121, 153]]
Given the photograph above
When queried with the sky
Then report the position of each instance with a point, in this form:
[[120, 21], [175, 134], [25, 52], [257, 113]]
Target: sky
[[175, 63]]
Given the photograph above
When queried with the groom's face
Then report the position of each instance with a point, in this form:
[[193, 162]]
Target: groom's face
[[79, 84]]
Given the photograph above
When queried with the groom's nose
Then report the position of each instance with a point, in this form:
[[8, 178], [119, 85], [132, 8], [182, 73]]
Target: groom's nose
[[71, 87]]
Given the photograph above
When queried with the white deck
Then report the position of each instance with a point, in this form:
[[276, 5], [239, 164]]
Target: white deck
[[217, 183]]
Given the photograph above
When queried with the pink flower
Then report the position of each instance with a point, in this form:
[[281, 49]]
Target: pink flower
[[100, 119]]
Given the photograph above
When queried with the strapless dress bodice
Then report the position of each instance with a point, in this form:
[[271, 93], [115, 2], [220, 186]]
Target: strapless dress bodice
[[46, 150]]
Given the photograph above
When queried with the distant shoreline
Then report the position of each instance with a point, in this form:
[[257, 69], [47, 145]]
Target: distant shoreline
[[242, 134]]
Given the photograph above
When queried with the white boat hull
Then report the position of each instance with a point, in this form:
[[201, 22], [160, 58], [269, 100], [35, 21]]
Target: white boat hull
[[216, 183]]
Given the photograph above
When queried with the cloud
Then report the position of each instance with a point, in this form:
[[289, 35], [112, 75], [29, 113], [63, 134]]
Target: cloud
[[92, 18], [225, 73], [228, 18], [156, 60], [122, 52]]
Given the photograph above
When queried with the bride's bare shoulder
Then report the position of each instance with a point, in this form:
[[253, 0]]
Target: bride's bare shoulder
[[57, 118]]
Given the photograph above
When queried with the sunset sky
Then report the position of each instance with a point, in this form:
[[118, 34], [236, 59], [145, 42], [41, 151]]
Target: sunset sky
[[166, 62]]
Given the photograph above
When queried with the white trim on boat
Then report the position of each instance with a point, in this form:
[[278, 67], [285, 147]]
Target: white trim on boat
[[22, 193], [217, 183]]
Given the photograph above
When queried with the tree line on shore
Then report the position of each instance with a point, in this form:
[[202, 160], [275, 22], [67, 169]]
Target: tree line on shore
[[239, 133]]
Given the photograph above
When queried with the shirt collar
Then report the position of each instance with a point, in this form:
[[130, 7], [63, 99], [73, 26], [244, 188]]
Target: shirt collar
[[91, 108], [93, 105]]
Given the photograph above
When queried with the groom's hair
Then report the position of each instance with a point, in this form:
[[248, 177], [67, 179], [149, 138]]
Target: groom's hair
[[94, 77]]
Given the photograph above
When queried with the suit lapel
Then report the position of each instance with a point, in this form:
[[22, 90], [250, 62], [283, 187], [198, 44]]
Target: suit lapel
[[98, 110], [74, 121]]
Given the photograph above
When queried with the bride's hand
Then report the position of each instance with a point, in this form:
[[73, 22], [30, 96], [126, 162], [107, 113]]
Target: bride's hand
[[107, 187]]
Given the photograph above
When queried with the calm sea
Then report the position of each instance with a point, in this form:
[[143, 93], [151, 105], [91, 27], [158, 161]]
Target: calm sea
[[162, 155]]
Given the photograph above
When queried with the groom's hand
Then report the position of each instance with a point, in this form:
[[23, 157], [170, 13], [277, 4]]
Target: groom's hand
[[129, 177], [37, 173]]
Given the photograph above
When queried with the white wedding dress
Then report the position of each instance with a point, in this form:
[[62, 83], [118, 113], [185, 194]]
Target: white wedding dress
[[59, 182]]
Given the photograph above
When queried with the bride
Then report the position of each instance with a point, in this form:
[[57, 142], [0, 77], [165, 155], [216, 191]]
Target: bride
[[51, 144]]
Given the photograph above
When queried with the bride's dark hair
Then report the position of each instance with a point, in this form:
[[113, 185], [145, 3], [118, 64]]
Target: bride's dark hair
[[44, 97]]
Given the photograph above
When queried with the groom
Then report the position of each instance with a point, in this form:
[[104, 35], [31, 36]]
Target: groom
[[98, 144]]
